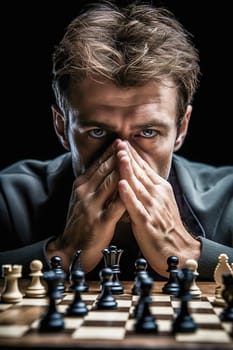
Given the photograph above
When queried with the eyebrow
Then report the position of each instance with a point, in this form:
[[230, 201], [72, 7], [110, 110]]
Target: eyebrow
[[146, 125]]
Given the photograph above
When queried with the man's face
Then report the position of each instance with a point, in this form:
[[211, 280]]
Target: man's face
[[144, 116]]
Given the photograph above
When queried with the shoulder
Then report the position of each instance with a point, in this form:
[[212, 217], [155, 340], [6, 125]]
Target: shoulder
[[209, 191], [203, 176], [36, 174], [32, 167], [30, 190]]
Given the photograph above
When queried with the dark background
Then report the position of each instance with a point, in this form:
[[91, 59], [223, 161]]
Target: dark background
[[29, 32]]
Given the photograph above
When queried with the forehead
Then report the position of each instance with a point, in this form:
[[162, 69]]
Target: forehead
[[90, 95]]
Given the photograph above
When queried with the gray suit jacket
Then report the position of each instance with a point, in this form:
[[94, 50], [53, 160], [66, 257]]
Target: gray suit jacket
[[34, 197]]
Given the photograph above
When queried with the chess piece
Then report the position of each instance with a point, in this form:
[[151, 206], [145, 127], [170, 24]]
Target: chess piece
[[78, 307], [145, 321], [141, 276], [183, 322], [194, 290], [36, 289], [106, 300], [140, 271], [52, 320], [227, 294], [11, 292], [57, 268], [172, 286], [222, 267], [112, 257], [76, 265]]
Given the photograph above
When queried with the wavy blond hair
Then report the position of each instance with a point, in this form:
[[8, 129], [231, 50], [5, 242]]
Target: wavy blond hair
[[130, 46]]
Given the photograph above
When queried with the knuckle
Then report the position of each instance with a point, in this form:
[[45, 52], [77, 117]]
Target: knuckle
[[107, 182], [102, 169]]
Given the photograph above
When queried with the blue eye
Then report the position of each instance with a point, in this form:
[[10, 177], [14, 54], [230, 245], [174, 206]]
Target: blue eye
[[148, 133], [97, 133]]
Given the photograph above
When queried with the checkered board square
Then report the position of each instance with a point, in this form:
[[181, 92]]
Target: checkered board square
[[22, 319]]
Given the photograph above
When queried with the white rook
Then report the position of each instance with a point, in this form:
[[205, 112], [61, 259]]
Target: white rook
[[11, 292]]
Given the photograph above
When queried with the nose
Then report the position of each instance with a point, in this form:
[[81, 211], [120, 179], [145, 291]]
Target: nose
[[124, 135], [129, 138]]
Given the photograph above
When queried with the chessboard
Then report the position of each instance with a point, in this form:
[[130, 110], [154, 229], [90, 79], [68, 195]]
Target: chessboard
[[114, 329]]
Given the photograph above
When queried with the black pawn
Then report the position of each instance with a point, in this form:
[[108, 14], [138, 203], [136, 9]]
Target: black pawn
[[140, 271], [106, 300], [145, 321], [52, 320], [140, 278], [183, 321], [78, 307], [172, 286], [227, 294], [57, 268]]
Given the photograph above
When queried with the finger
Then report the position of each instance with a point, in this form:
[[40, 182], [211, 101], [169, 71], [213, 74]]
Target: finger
[[107, 199], [135, 208], [141, 166], [101, 166], [125, 166], [106, 191], [130, 170], [144, 190], [114, 210], [89, 183]]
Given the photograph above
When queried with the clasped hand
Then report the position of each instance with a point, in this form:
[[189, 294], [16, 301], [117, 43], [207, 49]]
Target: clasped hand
[[121, 182]]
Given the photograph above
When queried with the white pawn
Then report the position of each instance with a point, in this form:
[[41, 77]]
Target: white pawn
[[36, 289], [194, 290], [11, 292], [222, 267]]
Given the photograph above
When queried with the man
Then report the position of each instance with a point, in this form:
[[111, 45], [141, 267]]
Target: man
[[124, 80]]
